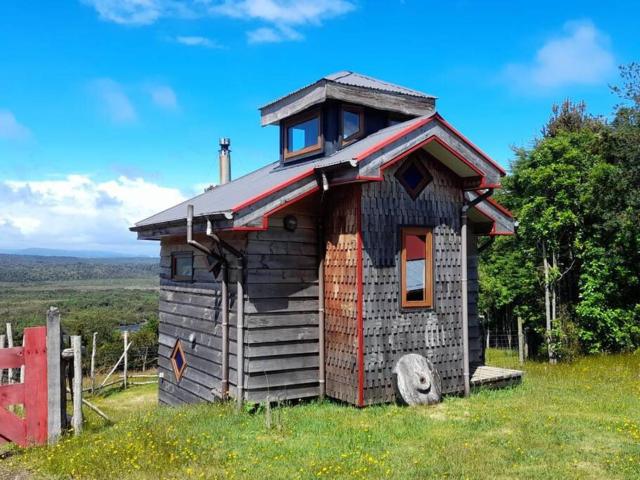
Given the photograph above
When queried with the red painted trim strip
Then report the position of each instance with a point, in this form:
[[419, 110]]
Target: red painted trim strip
[[359, 298], [11, 357], [393, 138], [265, 217], [273, 190], [500, 207], [11, 394], [471, 144], [484, 186]]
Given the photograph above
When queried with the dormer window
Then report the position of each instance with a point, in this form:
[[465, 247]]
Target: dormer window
[[352, 121], [303, 135]]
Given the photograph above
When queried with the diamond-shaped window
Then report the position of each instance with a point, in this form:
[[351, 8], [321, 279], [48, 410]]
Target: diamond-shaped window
[[178, 360], [413, 176]]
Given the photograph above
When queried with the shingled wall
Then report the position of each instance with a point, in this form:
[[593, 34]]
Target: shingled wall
[[390, 331]]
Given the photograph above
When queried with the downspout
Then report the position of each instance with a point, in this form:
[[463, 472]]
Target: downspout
[[465, 287], [224, 382], [465, 303], [324, 185], [239, 317]]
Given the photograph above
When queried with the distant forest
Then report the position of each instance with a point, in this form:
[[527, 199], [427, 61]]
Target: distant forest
[[31, 268]]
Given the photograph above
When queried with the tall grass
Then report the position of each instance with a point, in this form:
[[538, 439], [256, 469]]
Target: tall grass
[[579, 420]]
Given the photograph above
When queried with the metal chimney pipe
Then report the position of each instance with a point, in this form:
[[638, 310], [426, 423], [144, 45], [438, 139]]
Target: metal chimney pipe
[[225, 160]]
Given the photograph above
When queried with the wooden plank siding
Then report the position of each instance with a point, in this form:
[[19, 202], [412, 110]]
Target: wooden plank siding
[[281, 310], [194, 307], [340, 305], [389, 330]]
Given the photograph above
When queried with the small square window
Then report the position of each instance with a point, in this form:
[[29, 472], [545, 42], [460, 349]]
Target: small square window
[[303, 135], [352, 123], [182, 266], [178, 360], [413, 176]]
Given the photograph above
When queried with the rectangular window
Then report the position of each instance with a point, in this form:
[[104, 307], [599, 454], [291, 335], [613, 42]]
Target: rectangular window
[[352, 123], [416, 260], [303, 136], [182, 266]]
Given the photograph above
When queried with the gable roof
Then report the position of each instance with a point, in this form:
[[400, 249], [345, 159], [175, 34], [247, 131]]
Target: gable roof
[[244, 202], [350, 87]]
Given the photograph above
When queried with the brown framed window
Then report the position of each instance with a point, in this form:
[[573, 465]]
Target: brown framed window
[[303, 135], [182, 266], [352, 124], [178, 360], [416, 261]]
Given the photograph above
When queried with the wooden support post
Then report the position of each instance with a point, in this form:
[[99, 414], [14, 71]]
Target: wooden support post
[[520, 341], [126, 359], [104, 382], [10, 345], [2, 337], [76, 344], [22, 367], [55, 377], [93, 363]]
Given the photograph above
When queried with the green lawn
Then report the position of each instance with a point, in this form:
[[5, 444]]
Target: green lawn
[[580, 420]]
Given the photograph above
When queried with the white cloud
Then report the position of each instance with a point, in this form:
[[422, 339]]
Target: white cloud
[[272, 35], [194, 41], [128, 12], [11, 129], [77, 212], [163, 96], [114, 101], [580, 56], [280, 16]]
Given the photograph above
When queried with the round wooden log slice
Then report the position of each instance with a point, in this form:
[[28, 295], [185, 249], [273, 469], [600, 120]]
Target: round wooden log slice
[[417, 382]]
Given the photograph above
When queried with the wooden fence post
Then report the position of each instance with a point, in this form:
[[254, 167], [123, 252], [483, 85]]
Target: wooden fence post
[[93, 363], [126, 358], [2, 337], [520, 341], [76, 344], [57, 396], [10, 345]]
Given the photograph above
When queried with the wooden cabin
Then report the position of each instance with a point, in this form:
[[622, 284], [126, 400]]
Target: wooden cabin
[[316, 274]]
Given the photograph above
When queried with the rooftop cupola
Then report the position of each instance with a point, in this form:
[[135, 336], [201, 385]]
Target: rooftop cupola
[[325, 116]]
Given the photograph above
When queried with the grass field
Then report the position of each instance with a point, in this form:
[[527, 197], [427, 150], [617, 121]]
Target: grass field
[[579, 420]]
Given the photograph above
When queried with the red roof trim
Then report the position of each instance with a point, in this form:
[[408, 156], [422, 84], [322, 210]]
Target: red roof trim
[[471, 144], [272, 190], [265, 217], [500, 207], [364, 154]]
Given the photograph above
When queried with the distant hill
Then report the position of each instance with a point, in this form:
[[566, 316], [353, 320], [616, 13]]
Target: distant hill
[[38, 268], [53, 252]]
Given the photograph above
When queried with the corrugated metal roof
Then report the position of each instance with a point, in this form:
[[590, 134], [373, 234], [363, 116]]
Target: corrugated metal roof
[[359, 80], [224, 198], [347, 77]]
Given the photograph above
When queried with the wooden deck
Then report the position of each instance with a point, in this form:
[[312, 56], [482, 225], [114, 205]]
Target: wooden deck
[[494, 377]]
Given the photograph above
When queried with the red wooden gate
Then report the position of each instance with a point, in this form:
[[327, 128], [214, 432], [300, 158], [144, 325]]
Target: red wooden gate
[[32, 394]]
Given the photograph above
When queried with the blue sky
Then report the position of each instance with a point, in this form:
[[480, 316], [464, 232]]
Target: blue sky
[[111, 109]]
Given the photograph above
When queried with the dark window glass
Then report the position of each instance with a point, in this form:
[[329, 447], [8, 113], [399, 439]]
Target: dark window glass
[[350, 124], [179, 359], [182, 266], [303, 135], [413, 176]]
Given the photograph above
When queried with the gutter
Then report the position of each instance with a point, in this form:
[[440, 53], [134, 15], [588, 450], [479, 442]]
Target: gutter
[[465, 286], [225, 302]]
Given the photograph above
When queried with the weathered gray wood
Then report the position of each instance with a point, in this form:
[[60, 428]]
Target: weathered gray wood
[[113, 369], [520, 341], [417, 381], [9, 331], [125, 339], [93, 362], [56, 393], [2, 340], [76, 344]]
